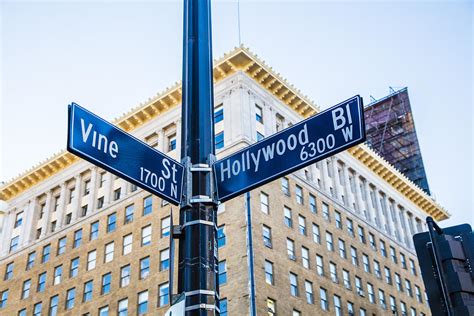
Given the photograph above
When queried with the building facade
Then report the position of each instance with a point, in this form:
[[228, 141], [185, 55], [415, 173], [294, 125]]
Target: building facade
[[331, 239]]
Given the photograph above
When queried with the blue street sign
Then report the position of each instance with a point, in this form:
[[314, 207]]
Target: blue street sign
[[311, 140], [107, 146]]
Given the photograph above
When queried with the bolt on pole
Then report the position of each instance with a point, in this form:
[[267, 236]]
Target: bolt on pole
[[198, 262]]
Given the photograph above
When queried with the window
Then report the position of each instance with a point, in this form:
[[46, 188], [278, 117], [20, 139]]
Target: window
[[398, 282], [218, 113], [117, 193], [319, 265], [293, 284], [290, 247], [337, 306], [109, 252], [312, 204], [144, 268], [362, 312], [74, 268], [305, 257], [269, 272], [53, 226], [123, 307], [70, 296], [403, 308], [56, 203], [382, 299], [38, 233], [127, 244], [299, 194], [418, 294], [77, 238], [350, 309], [259, 136], [288, 220], [94, 234], [358, 285], [88, 287], [408, 287], [129, 214], [388, 276], [223, 307], [125, 275], [350, 227], [106, 280], [37, 309], [9, 271], [3, 299], [221, 238], [41, 282], [403, 261], [308, 287], [323, 296], [342, 248], [164, 259], [393, 255], [31, 260], [68, 218], [219, 140], [302, 225], [53, 305], [329, 241], [142, 303], [146, 235], [354, 258], [111, 222], [326, 212], [14, 243], [25, 291], [62, 246], [393, 305], [171, 142], [337, 218], [165, 226], [163, 298], [346, 279], [333, 272], [100, 202], [267, 236], [377, 269], [147, 205], [316, 234], [285, 186], [271, 307], [258, 114], [87, 187], [84, 210], [18, 219], [104, 311], [58, 273], [365, 261], [361, 234], [222, 278], [91, 259], [412, 267], [264, 203], [370, 291], [383, 250], [413, 311]]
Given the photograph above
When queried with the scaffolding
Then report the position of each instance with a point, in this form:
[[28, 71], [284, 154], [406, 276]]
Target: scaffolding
[[390, 130]]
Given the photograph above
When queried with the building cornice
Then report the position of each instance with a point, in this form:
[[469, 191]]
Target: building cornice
[[240, 59]]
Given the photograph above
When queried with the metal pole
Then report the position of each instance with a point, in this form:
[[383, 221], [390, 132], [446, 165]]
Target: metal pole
[[432, 226], [252, 307], [197, 267]]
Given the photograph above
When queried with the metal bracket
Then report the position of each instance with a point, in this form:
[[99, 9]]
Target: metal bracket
[[176, 231], [201, 199], [189, 169]]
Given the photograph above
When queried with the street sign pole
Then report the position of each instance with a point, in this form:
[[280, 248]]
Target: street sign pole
[[197, 268]]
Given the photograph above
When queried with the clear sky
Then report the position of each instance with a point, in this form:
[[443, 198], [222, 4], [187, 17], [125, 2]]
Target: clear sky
[[109, 56]]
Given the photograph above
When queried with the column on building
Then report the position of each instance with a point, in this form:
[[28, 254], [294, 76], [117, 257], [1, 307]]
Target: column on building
[[380, 213], [251, 124], [91, 204], [407, 230], [62, 205], [399, 226], [368, 199], [7, 232], [335, 178], [177, 123], [76, 203], [161, 141], [325, 176], [108, 187], [347, 184], [29, 216], [269, 120], [47, 214], [358, 197], [389, 218], [314, 171]]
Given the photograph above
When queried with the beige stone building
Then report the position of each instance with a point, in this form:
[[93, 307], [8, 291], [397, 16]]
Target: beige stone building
[[331, 239]]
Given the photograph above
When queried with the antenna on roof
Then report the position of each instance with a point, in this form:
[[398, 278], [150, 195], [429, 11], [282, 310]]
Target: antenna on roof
[[372, 99], [238, 20], [390, 90]]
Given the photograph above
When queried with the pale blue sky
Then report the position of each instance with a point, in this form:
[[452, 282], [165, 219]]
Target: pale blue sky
[[109, 56]]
